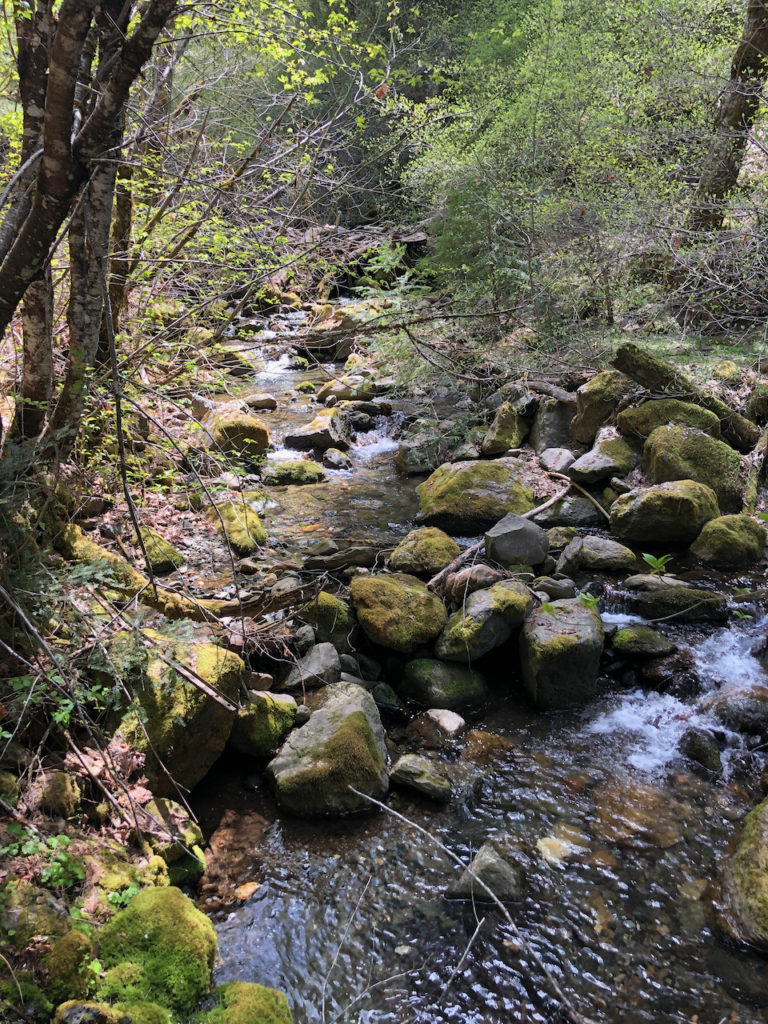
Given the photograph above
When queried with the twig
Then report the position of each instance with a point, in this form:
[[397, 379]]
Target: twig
[[341, 942], [464, 956], [572, 483]]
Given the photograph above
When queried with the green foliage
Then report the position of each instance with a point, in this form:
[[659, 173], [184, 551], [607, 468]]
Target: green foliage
[[58, 868], [658, 564]]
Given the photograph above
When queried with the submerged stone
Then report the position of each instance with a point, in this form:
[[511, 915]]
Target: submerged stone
[[422, 775], [497, 872], [438, 684]]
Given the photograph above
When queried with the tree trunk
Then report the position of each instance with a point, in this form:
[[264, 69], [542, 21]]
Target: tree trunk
[[734, 119]]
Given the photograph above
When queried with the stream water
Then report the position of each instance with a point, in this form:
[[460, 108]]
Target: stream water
[[619, 835]]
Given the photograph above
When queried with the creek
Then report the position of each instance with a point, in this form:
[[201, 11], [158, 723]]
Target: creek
[[621, 836]]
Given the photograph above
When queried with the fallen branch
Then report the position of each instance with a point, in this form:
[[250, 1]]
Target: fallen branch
[[664, 378], [545, 388], [581, 490]]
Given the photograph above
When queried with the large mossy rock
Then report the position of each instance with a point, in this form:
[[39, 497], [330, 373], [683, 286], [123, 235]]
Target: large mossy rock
[[642, 420], [26, 910], [507, 431], [730, 542], [237, 433], [560, 651], [595, 401], [161, 554], [424, 552], [685, 453], [243, 1002], [239, 523], [486, 620], [397, 611], [469, 497], [342, 745], [670, 513], [177, 723], [611, 456], [160, 949], [743, 910], [603, 555], [262, 724], [439, 684], [333, 621], [292, 471], [685, 604], [329, 429]]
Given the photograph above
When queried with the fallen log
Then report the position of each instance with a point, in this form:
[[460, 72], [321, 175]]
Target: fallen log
[[545, 388], [665, 379]]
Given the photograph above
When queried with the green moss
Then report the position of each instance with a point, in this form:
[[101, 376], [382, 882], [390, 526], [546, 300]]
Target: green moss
[[436, 684], [641, 641], [176, 820], [682, 453], [187, 869], [473, 495], [119, 874], [263, 724], [240, 434], [33, 1001], [730, 542], [397, 611], [305, 388], [144, 1013], [163, 948], [66, 962], [293, 471], [595, 401], [90, 1013], [240, 524], [670, 513], [241, 1002], [642, 420], [618, 450], [507, 431], [162, 555], [332, 620], [424, 552]]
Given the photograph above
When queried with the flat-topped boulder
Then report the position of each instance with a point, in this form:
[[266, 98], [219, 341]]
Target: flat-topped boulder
[[341, 745], [397, 611], [669, 513], [329, 429], [642, 420], [469, 497], [560, 649], [292, 471]]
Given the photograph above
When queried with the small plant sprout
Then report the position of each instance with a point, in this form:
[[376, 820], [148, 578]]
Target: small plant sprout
[[742, 615], [658, 564], [589, 600]]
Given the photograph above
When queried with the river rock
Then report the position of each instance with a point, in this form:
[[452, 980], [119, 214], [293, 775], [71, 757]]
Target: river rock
[[641, 642], [730, 542], [627, 811], [26, 910], [361, 556], [685, 453], [600, 554], [516, 541], [262, 402], [162, 555], [420, 774], [333, 621], [573, 511], [595, 401], [700, 745], [424, 552], [262, 724], [341, 745], [239, 523], [333, 458], [507, 431], [686, 604], [642, 420], [436, 728], [611, 456], [557, 460], [570, 557], [458, 586], [237, 433], [499, 873], [168, 829], [178, 725], [440, 684], [349, 386], [551, 426], [292, 471], [469, 497], [244, 1002], [741, 706], [317, 668], [669, 513], [555, 589], [329, 429], [743, 896], [560, 653], [397, 611], [485, 621]]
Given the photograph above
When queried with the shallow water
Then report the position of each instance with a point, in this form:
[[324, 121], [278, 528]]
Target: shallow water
[[619, 837]]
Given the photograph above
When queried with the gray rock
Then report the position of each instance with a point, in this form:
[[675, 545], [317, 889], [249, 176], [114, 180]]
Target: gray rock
[[436, 728], [318, 667], [350, 664], [742, 706], [440, 684], [570, 557], [359, 556], [485, 621], [505, 879], [329, 429], [342, 745], [603, 555], [422, 775], [304, 639], [686, 604], [641, 642], [573, 510], [701, 746], [557, 460], [551, 426], [560, 651], [261, 401], [560, 589], [516, 541], [333, 458]]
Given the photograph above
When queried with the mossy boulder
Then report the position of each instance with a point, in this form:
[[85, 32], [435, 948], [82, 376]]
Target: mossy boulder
[[685, 453], [60, 793], [171, 833], [329, 429], [292, 471], [66, 961], [560, 651], [342, 745], [397, 611], [262, 725], [178, 722], [730, 542], [611, 456], [440, 684], [239, 523], [26, 910], [642, 420], [424, 552], [161, 554], [160, 949], [238, 433], [507, 431], [685, 604], [757, 403], [743, 883], [486, 619], [76, 1011], [332, 619], [670, 513], [469, 497], [603, 555], [595, 401], [641, 642], [242, 1002]]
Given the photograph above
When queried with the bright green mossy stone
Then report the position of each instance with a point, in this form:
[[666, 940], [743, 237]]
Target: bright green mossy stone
[[162, 555], [332, 620], [240, 525], [684, 453], [397, 611], [642, 420], [239, 434], [743, 909], [470, 497], [160, 949], [730, 542], [242, 1002], [424, 552], [293, 471]]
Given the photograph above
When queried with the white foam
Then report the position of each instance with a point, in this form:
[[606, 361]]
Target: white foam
[[724, 657], [373, 443]]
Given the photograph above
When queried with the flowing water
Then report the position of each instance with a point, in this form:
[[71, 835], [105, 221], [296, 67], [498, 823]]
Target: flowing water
[[619, 836]]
